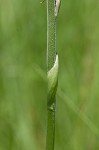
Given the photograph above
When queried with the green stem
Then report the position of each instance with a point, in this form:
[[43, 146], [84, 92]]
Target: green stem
[[51, 56], [51, 33]]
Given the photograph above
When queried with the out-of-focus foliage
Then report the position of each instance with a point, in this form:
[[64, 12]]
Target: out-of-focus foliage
[[23, 75]]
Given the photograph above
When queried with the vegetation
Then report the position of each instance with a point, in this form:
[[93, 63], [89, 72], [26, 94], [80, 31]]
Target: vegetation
[[23, 87], [52, 74]]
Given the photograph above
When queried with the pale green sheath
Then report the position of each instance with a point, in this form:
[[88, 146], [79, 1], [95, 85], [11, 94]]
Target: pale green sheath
[[57, 7], [52, 77]]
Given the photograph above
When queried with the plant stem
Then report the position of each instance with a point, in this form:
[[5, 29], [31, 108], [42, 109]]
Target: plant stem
[[51, 56], [51, 33]]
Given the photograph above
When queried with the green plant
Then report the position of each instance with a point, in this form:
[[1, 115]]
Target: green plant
[[52, 71]]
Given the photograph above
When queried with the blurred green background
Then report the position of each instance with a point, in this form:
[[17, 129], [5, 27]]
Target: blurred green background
[[23, 75]]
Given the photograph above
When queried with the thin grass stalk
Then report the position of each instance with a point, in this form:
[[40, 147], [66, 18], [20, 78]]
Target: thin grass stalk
[[51, 56]]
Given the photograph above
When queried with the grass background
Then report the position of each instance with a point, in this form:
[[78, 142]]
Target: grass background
[[23, 75]]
